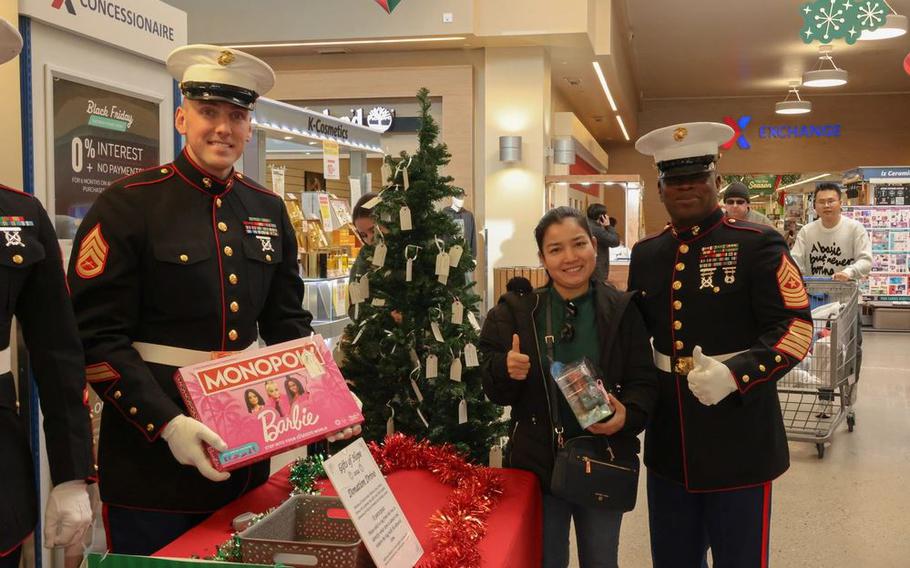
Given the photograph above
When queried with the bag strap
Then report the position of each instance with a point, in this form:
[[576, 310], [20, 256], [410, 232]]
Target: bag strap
[[550, 342]]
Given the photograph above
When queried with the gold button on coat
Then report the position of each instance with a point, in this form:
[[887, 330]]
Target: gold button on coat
[[677, 325], [777, 358], [229, 251], [268, 258], [684, 248], [133, 410], [761, 368], [235, 307], [745, 378], [717, 289], [222, 226], [117, 395], [679, 345], [680, 266], [232, 335], [217, 202], [232, 278], [150, 427], [677, 285], [164, 170], [17, 258], [677, 305], [184, 258]]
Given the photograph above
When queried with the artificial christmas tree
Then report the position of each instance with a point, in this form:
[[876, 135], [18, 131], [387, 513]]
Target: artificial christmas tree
[[419, 376]]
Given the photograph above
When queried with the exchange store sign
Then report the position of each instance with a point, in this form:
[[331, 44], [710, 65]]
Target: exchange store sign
[[742, 132], [147, 27], [99, 136]]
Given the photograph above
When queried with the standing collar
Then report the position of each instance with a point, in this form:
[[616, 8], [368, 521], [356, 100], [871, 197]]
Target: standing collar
[[699, 229], [194, 174]]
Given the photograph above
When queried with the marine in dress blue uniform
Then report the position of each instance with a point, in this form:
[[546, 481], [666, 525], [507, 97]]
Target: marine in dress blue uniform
[[34, 291], [174, 264], [729, 316]]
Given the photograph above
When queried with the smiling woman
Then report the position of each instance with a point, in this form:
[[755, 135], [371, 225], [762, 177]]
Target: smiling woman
[[575, 317]]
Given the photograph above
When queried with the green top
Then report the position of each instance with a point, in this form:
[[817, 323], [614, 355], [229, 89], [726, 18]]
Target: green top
[[585, 343]]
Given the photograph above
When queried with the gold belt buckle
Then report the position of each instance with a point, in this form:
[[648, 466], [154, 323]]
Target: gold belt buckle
[[683, 365]]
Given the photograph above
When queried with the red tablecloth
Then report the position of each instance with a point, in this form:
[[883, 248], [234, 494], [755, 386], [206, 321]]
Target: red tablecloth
[[513, 528]]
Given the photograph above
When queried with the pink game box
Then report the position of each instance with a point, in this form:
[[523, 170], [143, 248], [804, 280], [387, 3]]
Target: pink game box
[[268, 401]]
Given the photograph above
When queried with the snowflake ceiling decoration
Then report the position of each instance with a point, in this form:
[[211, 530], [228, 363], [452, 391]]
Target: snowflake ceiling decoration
[[827, 20]]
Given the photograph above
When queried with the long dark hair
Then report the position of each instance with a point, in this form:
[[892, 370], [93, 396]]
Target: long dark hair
[[246, 399], [559, 215], [287, 388]]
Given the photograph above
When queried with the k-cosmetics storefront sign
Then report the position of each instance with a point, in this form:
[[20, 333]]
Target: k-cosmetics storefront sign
[[147, 27], [745, 133]]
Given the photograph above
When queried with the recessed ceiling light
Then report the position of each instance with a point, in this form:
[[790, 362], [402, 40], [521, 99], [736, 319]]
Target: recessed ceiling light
[[603, 83], [895, 26], [288, 137]]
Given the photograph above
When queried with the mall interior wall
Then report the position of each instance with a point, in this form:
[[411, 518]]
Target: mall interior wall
[[871, 131], [10, 110]]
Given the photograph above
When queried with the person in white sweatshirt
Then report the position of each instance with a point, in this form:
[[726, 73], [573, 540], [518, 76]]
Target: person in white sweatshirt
[[833, 245]]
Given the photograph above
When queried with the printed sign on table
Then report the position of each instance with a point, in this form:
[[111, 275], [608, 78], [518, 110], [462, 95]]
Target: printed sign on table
[[372, 506]]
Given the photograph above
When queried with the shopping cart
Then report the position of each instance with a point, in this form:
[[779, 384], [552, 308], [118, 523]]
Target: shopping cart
[[819, 393]]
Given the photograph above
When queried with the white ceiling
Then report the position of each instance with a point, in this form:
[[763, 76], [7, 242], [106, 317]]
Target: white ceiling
[[722, 48]]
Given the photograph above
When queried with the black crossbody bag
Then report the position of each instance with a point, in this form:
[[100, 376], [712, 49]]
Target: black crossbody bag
[[586, 471]]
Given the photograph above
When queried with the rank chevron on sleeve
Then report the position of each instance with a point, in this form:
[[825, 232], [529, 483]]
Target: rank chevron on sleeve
[[92, 254]]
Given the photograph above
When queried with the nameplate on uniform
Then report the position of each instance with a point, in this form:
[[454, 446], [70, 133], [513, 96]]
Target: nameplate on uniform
[[260, 226]]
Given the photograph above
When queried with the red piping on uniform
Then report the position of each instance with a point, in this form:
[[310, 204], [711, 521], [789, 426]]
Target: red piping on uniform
[[130, 419], [735, 488], [220, 274], [199, 168], [10, 551], [107, 526], [150, 182], [765, 525], [737, 225], [654, 236], [20, 192], [193, 185], [136, 173], [682, 430], [259, 189]]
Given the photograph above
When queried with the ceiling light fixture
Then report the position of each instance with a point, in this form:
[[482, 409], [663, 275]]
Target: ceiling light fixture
[[794, 106], [622, 127], [822, 77], [895, 26], [603, 83], [802, 181], [348, 42]]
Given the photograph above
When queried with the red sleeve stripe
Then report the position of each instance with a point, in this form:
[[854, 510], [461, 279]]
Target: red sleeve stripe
[[100, 372]]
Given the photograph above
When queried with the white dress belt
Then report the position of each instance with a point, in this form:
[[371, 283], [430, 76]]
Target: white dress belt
[[6, 360], [685, 364], [179, 356]]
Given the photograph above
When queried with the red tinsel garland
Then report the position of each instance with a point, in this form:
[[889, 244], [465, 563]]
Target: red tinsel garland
[[461, 524]]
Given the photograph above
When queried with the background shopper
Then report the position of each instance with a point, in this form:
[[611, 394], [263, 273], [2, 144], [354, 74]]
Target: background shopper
[[514, 372], [605, 235]]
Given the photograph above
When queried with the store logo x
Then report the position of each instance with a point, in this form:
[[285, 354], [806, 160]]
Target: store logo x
[[57, 4], [738, 137]]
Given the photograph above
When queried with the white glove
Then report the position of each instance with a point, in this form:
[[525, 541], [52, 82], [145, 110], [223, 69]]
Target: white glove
[[710, 380], [348, 432], [68, 514], [185, 436]]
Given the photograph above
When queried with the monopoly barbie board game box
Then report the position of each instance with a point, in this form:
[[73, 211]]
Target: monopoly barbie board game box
[[267, 401]]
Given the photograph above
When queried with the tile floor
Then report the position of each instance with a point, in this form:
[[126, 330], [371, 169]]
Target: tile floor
[[850, 509]]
